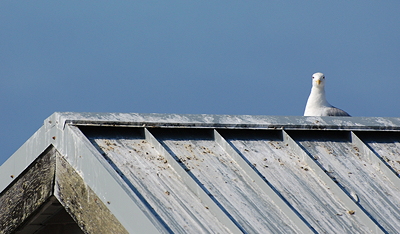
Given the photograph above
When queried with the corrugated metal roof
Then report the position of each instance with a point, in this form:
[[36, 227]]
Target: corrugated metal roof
[[234, 174]]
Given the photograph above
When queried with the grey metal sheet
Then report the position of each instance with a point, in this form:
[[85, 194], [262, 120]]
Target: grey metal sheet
[[386, 145], [220, 175], [150, 174], [136, 178], [102, 178], [285, 170], [255, 178], [346, 164]]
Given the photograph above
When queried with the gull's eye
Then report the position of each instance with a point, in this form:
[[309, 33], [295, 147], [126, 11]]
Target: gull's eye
[[313, 77], [323, 77]]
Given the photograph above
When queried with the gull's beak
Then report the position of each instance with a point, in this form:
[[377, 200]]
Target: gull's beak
[[318, 82]]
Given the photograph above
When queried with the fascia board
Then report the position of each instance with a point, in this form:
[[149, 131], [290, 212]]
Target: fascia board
[[25, 155]]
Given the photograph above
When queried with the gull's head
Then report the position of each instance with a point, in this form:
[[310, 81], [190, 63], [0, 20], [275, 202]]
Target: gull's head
[[318, 79]]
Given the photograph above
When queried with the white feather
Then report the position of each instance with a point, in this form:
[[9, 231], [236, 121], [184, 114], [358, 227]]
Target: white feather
[[317, 105]]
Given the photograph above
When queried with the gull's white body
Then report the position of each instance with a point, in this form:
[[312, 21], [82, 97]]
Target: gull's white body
[[317, 105]]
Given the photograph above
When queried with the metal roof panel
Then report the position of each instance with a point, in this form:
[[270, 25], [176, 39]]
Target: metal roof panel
[[230, 174], [292, 177], [358, 177]]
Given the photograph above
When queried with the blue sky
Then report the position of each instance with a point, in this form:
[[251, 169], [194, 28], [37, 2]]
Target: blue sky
[[204, 57]]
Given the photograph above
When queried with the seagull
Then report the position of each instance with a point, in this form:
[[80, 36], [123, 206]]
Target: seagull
[[317, 105]]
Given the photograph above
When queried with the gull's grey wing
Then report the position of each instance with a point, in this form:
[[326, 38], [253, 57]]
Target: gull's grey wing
[[333, 111]]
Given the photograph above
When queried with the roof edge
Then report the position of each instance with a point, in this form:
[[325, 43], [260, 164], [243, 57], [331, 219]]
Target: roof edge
[[223, 121]]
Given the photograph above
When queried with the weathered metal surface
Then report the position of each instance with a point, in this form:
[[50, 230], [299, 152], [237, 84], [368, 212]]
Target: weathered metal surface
[[222, 217], [380, 163], [225, 121], [357, 176], [360, 221], [107, 183], [290, 174], [27, 193], [151, 175], [385, 145], [254, 177], [267, 182], [225, 181]]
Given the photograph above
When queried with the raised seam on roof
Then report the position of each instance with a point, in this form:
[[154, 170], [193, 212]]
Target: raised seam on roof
[[350, 204], [376, 160], [297, 219], [212, 205]]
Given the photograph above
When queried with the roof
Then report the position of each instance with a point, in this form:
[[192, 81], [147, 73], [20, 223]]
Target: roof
[[164, 173]]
